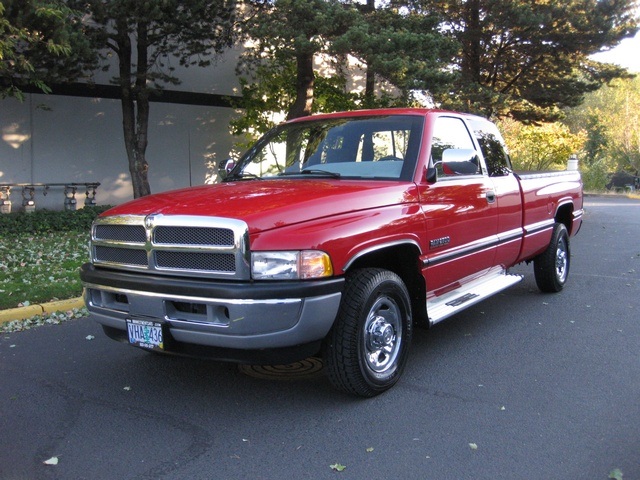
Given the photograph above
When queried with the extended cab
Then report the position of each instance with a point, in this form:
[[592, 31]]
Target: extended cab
[[333, 234]]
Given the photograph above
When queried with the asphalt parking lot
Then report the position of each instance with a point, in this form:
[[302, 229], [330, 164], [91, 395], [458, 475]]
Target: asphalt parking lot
[[522, 386]]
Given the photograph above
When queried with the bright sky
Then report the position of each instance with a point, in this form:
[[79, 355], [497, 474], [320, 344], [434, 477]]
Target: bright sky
[[626, 54]]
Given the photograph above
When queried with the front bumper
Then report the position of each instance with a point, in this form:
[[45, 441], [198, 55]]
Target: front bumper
[[226, 315]]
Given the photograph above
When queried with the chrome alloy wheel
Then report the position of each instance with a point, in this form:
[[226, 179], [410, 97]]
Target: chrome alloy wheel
[[562, 261], [382, 335]]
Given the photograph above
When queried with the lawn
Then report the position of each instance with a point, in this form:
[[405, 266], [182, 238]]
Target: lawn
[[37, 268]]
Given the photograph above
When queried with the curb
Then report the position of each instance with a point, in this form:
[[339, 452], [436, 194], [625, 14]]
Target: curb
[[22, 313]]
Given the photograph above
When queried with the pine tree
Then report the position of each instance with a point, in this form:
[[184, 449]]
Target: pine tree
[[529, 59]]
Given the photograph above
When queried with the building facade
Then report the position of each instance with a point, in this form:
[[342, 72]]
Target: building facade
[[72, 137]]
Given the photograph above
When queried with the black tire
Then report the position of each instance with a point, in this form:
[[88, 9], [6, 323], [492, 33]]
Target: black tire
[[368, 346], [551, 267]]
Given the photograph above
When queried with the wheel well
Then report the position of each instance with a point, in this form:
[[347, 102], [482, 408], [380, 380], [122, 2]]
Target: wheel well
[[565, 215], [404, 261]]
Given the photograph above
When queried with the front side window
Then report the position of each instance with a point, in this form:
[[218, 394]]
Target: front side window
[[451, 139], [384, 147]]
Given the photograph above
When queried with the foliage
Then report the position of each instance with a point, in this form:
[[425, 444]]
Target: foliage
[[612, 122], [41, 41], [500, 58], [408, 50], [594, 175], [147, 38], [404, 52], [54, 318], [540, 147], [286, 37], [48, 221], [528, 60], [265, 100]]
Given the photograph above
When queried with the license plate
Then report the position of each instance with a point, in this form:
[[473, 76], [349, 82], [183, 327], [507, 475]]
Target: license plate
[[145, 334]]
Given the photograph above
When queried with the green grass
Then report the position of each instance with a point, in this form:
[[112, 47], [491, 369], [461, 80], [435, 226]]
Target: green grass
[[40, 254], [41, 267]]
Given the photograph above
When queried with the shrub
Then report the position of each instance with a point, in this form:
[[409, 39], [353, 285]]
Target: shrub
[[594, 176], [47, 221]]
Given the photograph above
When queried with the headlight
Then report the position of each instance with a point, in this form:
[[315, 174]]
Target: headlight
[[298, 265]]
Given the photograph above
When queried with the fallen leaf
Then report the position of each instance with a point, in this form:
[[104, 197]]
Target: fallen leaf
[[616, 474], [337, 467], [51, 461]]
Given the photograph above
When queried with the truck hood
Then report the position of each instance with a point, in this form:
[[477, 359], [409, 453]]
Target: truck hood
[[268, 204]]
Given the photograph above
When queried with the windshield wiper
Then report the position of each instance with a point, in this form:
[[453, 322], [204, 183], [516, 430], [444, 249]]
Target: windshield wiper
[[311, 171], [243, 176]]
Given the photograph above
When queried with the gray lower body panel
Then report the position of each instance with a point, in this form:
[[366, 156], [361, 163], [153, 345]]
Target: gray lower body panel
[[248, 324], [295, 314]]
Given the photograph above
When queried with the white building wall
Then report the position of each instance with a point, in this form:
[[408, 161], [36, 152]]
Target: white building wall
[[62, 139]]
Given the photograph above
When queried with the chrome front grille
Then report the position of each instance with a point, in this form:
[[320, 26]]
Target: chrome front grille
[[176, 245]]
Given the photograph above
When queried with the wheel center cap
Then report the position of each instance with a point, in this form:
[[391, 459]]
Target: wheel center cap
[[381, 332]]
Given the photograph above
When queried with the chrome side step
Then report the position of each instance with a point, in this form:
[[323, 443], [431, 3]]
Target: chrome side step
[[457, 300]]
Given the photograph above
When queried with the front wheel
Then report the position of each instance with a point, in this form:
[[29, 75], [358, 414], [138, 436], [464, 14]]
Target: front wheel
[[367, 348], [551, 267]]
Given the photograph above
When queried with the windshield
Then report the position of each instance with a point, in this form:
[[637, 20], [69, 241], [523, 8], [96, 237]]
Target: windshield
[[384, 147]]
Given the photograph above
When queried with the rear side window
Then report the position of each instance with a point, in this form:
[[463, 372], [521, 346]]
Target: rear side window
[[493, 148]]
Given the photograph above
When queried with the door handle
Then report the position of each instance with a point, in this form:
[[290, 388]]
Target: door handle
[[491, 196]]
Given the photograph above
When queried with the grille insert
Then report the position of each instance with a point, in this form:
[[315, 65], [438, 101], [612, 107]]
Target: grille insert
[[123, 256], [121, 233], [216, 262], [193, 236]]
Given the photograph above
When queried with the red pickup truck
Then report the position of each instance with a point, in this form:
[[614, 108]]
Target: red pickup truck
[[334, 234]]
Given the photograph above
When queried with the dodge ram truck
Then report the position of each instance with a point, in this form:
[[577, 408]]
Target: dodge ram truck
[[333, 235]]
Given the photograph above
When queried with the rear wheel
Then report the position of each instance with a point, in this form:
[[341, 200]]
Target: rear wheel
[[551, 267], [367, 348]]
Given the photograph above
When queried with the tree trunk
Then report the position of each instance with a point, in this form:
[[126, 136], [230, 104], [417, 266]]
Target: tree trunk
[[471, 43], [370, 79], [135, 110], [303, 103]]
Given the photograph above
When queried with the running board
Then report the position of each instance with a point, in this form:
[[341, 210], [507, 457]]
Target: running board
[[453, 302]]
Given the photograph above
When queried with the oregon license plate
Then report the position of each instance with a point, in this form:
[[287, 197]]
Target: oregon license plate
[[145, 333]]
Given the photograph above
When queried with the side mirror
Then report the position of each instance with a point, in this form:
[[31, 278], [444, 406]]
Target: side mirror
[[460, 161], [432, 173], [455, 161], [225, 166]]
